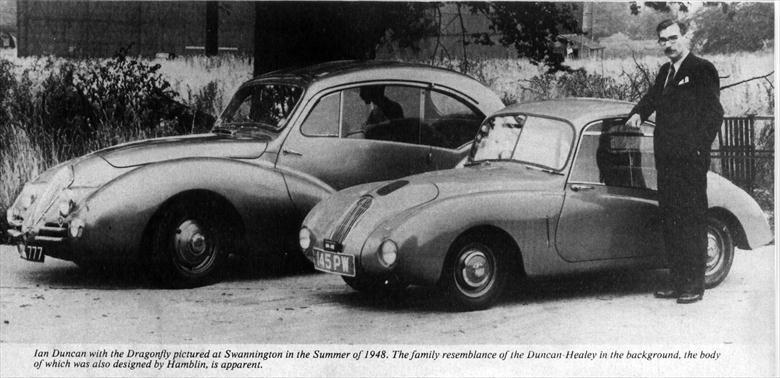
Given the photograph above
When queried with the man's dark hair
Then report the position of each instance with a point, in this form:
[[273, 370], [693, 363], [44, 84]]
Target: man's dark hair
[[669, 22]]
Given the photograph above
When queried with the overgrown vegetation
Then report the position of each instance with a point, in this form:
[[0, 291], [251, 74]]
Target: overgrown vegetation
[[55, 110], [52, 110]]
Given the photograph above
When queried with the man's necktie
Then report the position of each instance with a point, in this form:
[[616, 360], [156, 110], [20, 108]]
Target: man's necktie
[[669, 78]]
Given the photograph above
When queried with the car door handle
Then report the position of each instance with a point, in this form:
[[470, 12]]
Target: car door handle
[[581, 188], [291, 152]]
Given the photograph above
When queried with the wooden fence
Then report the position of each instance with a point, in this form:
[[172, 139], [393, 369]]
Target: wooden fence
[[740, 153]]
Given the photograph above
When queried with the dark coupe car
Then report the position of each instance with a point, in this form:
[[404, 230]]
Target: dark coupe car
[[549, 188], [287, 140]]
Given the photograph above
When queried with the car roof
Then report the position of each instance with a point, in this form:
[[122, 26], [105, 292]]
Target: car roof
[[579, 111], [331, 74]]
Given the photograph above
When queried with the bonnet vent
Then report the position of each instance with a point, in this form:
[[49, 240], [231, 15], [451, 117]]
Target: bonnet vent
[[391, 187]]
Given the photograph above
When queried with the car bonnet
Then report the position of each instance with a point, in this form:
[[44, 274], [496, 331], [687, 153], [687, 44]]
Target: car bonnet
[[162, 149]]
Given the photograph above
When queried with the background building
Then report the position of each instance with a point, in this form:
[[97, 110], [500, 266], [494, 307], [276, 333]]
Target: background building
[[146, 28]]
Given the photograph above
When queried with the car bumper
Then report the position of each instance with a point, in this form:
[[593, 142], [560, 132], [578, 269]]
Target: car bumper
[[51, 239]]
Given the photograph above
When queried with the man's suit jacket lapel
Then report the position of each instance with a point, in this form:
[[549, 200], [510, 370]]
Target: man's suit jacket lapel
[[680, 74]]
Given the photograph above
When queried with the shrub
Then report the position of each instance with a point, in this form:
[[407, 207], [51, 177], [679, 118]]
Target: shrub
[[55, 110]]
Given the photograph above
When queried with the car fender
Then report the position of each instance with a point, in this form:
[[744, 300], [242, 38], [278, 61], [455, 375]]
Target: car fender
[[424, 234], [304, 189], [723, 194], [117, 214]]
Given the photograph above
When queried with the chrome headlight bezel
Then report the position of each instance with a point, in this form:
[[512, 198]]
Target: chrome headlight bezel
[[388, 253], [24, 201], [304, 239]]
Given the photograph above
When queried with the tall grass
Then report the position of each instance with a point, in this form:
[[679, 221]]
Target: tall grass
[[52, 110], [518, 80]]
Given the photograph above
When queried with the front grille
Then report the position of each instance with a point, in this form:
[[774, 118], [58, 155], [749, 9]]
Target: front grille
[[49, 232], [52, 232], [349, 221]]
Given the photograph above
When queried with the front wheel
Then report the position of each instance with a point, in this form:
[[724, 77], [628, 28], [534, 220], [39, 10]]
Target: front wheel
[[189, 244], [474, 274], [720, 252]]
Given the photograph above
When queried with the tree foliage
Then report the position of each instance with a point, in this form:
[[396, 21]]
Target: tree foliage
[[742, 27], [295, 34], [611, 18], [530, 27]]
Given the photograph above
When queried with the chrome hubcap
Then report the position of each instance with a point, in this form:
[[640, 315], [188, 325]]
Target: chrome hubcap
[[193, 249], [475, 272], [714, 250]]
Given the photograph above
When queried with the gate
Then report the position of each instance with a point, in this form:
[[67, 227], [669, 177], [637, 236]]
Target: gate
[[741, 159]]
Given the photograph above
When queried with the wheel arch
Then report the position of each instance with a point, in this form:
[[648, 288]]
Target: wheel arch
[[737, 231], [500, 236], [195, 195]]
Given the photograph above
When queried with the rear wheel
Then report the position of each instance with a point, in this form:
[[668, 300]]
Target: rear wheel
[[720, 252], [189, 244], [474, 273]]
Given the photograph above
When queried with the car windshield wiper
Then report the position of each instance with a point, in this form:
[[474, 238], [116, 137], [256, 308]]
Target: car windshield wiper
[[234, 127], [223, 130], [546, 170]]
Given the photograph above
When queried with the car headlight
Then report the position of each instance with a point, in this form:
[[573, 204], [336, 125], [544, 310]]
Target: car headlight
[[76, 228], [23, 202], [388, 252], [304, 238], [11, 215], [67, 203], [26, 200]]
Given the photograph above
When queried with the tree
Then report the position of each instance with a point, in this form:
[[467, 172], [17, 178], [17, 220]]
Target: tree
[[743, 27], [295, 34], [531, 27]]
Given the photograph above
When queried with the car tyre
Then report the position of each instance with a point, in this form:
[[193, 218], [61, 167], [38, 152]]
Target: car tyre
[[720, 252], [189, 244], [475, 273]]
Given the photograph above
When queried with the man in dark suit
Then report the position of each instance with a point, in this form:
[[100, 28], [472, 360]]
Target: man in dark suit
[[685, 98]]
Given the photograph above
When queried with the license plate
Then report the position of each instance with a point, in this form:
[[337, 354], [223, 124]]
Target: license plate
[[337, 263], [31, 252]]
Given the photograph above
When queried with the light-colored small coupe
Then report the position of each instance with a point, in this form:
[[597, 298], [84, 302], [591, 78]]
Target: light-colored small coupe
[[287, 140], [549, 188]]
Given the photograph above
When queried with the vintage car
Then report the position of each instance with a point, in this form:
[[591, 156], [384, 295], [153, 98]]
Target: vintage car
[[550, 188], [286, 140]]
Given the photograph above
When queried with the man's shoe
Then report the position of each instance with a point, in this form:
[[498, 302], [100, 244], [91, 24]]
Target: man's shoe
[[690, 297], [665, 294]]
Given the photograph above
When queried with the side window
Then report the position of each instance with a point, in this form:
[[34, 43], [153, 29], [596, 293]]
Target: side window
[[382, 112], [447, 121], [612, 155], [323, 120]]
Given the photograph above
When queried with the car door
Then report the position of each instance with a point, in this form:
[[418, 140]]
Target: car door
[[610, 209], [346, 141], [449, 126]]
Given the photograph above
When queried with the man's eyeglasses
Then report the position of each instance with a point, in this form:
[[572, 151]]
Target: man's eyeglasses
[[672, 38]]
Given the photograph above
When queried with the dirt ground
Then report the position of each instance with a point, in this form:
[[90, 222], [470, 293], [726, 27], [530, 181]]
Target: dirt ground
[[57, 302]]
